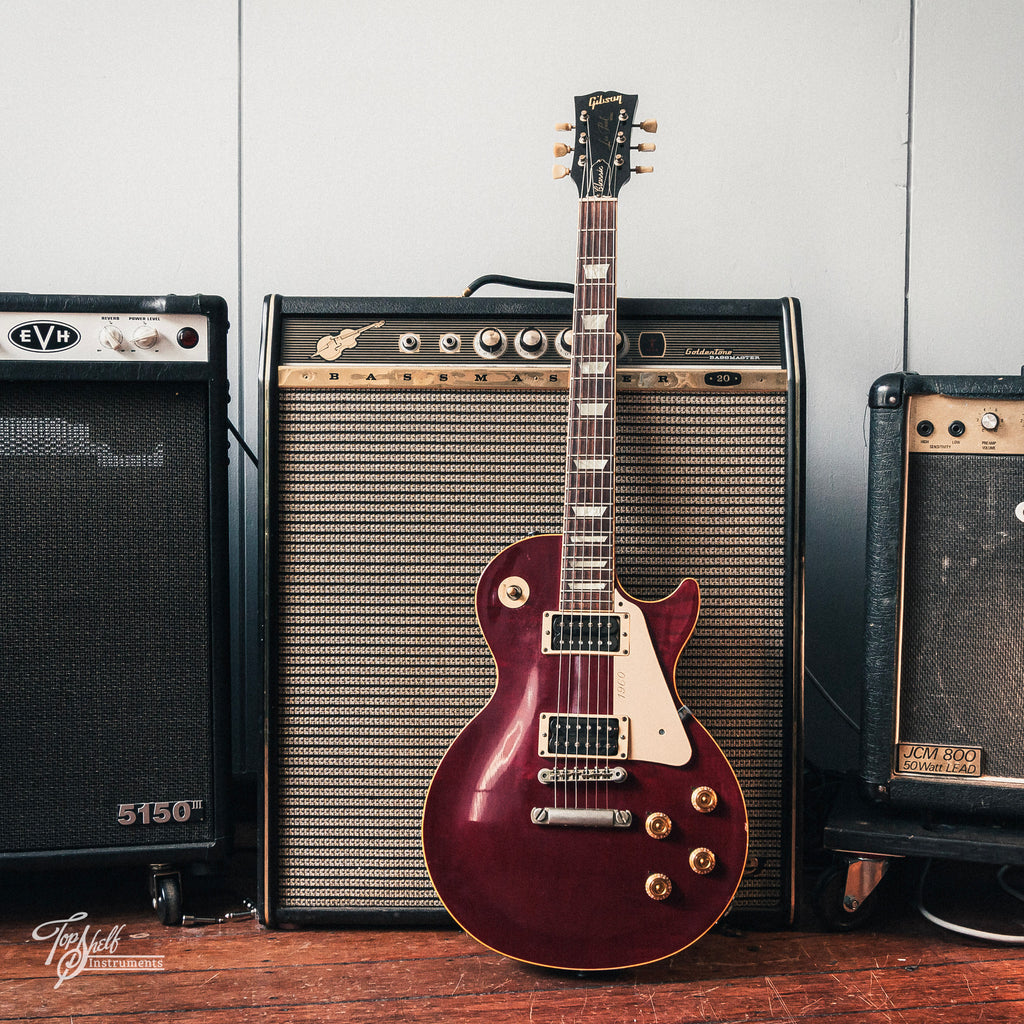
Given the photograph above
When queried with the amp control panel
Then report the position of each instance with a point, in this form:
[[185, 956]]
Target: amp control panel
[[975, 426], [103, 336]]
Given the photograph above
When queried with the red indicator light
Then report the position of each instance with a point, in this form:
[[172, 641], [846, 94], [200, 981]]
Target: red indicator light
[[188, 337]]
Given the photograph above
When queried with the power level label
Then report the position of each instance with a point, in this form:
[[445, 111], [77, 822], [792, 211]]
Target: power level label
[[928, 759]]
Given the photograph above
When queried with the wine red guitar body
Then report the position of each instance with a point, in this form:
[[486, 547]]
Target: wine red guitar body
[[583, 890]]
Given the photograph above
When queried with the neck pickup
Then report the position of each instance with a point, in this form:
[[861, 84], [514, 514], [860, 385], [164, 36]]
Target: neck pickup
[[585, 633]]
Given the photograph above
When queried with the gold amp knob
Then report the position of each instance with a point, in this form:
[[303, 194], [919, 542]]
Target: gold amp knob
[[658, 886], [702, 860]]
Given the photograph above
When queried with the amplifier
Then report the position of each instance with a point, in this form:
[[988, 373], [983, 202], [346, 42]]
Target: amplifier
[[408, 441], [113, 644], [943, 711]]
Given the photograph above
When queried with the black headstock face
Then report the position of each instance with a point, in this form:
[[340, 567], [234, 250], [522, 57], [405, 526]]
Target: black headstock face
[[604, 124]]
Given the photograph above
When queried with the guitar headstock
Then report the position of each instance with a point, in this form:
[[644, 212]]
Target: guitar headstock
[[600, 156]]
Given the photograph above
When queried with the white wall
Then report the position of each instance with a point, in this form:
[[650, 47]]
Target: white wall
[[383, 147], [967, 238]]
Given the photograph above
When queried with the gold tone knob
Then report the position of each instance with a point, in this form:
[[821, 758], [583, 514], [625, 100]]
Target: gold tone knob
[[658, 886], [646, 147], [704, 799], [702, 860], [563, 127], [643, 170], [650, 125], [561, 149], [658, 825], [558, 171]]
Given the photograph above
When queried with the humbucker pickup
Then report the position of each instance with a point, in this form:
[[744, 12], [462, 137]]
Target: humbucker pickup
[[585, 633], [583, 736]]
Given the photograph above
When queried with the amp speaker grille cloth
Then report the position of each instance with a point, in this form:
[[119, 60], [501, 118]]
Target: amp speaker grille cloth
[[388, 505], [104, 569], [963, 630]]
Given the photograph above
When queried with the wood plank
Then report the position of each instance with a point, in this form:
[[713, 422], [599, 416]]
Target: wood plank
[[903, 970], [428, 975]]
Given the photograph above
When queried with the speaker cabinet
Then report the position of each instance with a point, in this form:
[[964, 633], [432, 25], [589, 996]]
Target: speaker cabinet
[[943, 709], [113, 646], [403, 448]]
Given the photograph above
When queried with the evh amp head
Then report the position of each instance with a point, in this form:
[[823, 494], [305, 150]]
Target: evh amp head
[[408, 441], [943, 707], [114, 636]]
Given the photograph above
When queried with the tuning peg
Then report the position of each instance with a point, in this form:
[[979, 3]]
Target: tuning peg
[[646, 147], [564, 127], [650, 125], [558, 171], [643, 170], [561, 149]]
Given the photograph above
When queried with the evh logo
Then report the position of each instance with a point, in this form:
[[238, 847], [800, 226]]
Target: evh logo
[[43, 336]]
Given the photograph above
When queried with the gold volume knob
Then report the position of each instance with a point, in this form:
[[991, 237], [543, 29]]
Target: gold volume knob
[[704, 799], [658, 825], [702, 860], [658, 886]]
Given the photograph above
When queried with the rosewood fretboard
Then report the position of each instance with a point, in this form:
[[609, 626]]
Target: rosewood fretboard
[[588, 523]]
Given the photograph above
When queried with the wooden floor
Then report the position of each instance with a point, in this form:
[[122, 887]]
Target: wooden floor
[[899, 968]]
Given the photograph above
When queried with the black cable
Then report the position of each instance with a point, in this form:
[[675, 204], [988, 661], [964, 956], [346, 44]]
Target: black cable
[[245, 447], [517, 282]]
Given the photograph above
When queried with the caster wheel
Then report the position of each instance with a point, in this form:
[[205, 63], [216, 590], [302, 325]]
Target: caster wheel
[[167, 899], [827, 900]]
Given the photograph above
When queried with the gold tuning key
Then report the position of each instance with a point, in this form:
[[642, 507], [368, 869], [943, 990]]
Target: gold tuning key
[[646, 147], [650, 125], [643, 170], [561, 149], [564, 127], [558, 171]]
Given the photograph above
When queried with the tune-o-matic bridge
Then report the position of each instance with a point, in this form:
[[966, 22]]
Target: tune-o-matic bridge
[[584, 736], [585, 633]]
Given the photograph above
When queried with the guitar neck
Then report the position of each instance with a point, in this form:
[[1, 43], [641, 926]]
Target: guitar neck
[[588, 522]]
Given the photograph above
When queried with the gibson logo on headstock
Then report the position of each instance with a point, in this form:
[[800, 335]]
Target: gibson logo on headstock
[[600, 98]]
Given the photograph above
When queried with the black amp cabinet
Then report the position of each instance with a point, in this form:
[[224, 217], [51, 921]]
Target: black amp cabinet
[[943, 709], [114, 636], [405, 443]]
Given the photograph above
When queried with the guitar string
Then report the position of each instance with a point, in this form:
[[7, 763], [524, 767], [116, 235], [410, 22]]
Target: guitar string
[[565, 602], [609, 424], [598, 596], [587, 577], [607, 448], [594, 331]]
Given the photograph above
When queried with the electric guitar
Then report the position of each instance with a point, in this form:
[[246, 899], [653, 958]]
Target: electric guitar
[[584, 819]]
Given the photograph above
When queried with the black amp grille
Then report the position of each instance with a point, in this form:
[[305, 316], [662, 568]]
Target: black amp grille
[[105, 658]]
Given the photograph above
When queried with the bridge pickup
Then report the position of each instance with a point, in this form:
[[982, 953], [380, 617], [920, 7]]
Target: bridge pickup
[[585, 633], [556, 776], [581, 817], [581, 736]]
